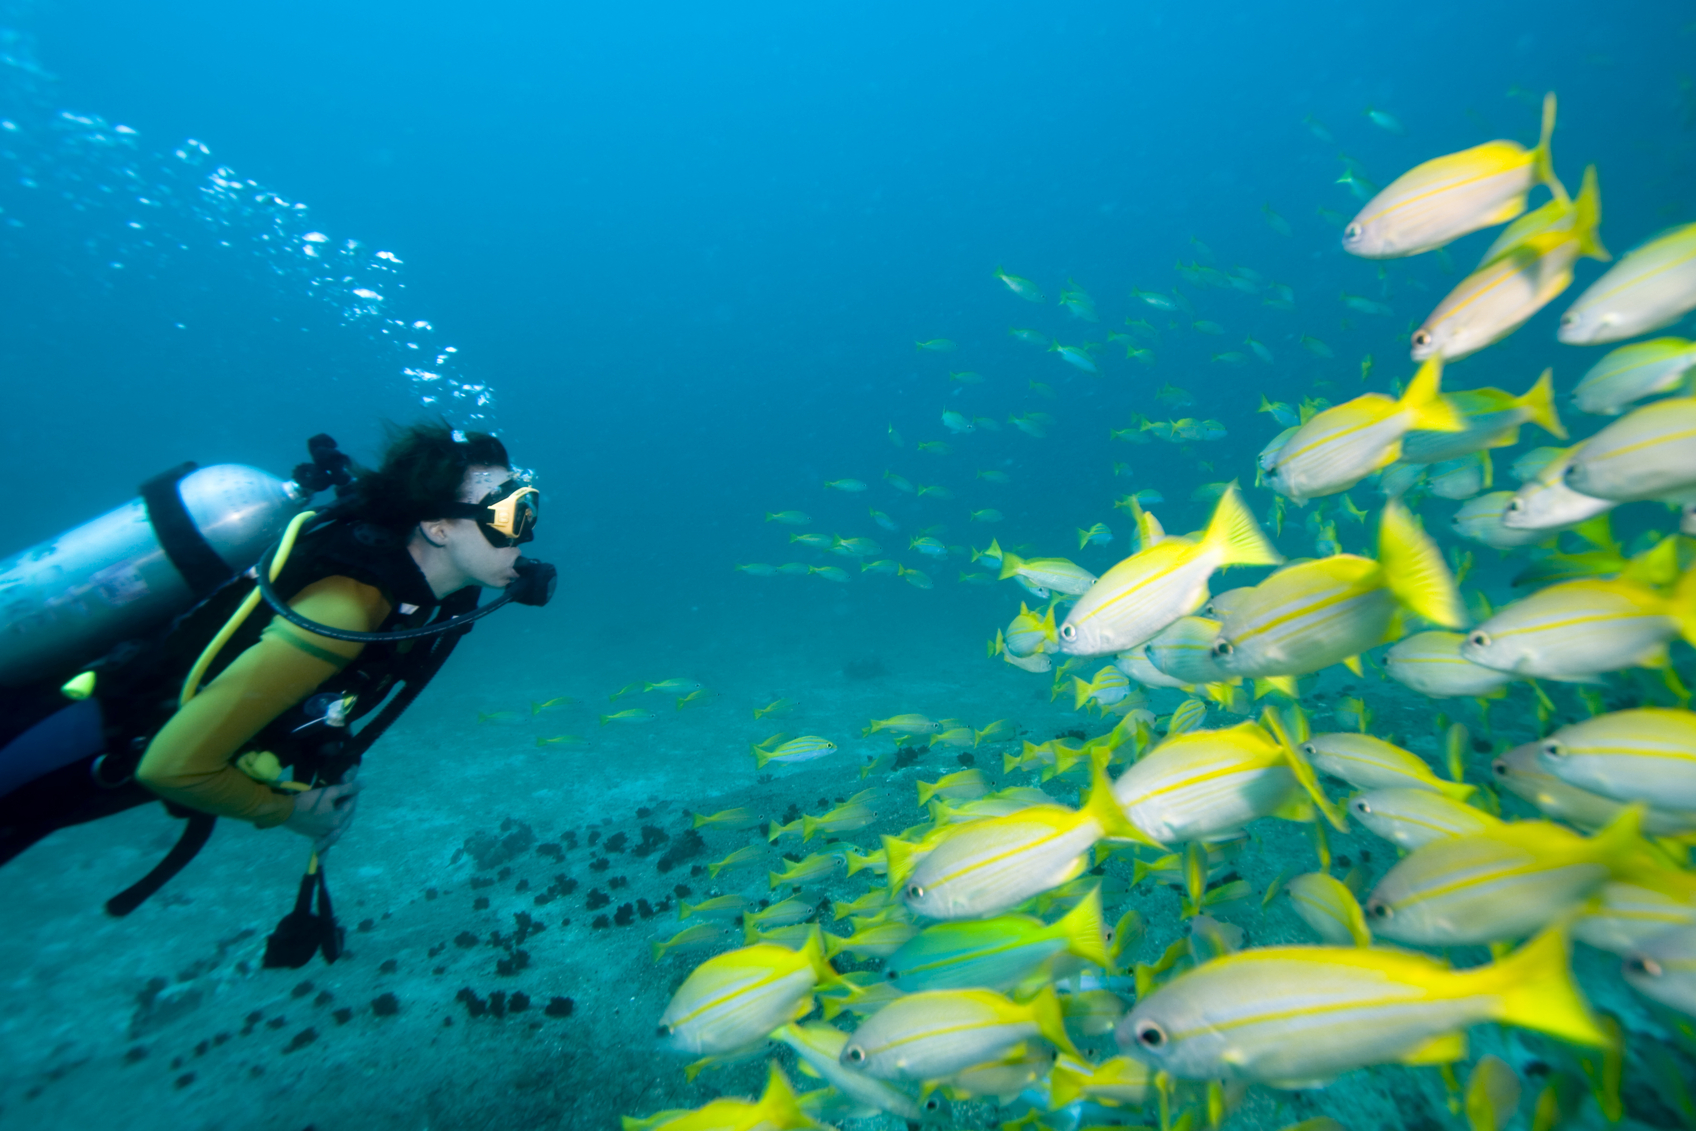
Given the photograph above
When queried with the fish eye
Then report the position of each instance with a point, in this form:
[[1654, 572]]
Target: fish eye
[[1351, 233], [1500, 767], [934, 1103], [856, 1054], [1222, 648], [1378, 909], [1149, 1035], [1643, 964], [1516, 504], [663, 1031], [1569, 319], [1479, 640], [1553, 749], [914, 891], [1362, 807], [892, 975], [1068, 632], [1422, 339], [1309, 749]]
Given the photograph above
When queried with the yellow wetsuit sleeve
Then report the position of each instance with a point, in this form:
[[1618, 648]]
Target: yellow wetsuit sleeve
[[189, 760]]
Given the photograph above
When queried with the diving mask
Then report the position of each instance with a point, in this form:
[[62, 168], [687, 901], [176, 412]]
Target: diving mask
[[507, 516]]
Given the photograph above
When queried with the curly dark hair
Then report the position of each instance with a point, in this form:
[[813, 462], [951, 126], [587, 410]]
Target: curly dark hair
[[423, 468]]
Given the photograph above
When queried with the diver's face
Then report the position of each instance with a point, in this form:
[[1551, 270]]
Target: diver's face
[[468, 549]]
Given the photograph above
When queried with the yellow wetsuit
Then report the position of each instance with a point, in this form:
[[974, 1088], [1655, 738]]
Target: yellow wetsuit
[[189, 761]]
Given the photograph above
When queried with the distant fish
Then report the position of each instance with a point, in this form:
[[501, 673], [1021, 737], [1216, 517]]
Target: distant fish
[[851, 486], [790, 518], [1075, 355], [937, 345], [1024, 288], [1033, 337], [631, 715], [550, 704]]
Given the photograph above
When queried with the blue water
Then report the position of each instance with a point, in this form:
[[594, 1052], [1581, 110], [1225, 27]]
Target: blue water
[[682, 255]]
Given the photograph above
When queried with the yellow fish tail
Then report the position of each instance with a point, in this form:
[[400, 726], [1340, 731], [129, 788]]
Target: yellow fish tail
[[1010, 564], [1104, 808], [1538, 404], [1064, 1086], [1050, 1022], [1424, 399], [1414, 569], [1085, 931], [1537, 991], [761, 757], [1234, 530], [1543, 158], [1682, 606], [1587, 217]]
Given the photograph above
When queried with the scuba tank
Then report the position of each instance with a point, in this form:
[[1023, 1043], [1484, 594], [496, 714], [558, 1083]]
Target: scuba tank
[[130, 571]]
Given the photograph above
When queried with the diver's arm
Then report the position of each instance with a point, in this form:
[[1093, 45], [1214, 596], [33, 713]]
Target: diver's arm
[[189, 760]]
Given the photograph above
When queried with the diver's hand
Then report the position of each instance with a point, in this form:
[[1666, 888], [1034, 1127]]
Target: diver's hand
[[323, 815]]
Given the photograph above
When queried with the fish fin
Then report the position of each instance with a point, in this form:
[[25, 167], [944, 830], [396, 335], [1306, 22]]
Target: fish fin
[[1445, 1048], [1064, 1086], [1010, 564], [1106, 811], [1657, 566], [813, 952], [1538, 403], [1682, 606], [1587, 217], [1424, 398], [1297, 807], [1414, 568], [761, 757], [898, 854], [778, 1106], [1284, 684], [1081, 692], [1085, 931], [1456, 791], [1598, 530], [809, 825], [1234, 530], [1542, 158], [1050, 1022], [1537, 991], [1353, 664], [927, 790]]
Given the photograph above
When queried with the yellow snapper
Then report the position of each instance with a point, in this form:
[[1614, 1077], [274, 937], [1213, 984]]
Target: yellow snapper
[[1309, 616], [1115, 1082], [985, 867], [803, 749], [1630, 373], [1443, 199], [1299, 1015], [1031, 633], [1648, 453], [1509, 881], [1500, 296], [903, 724], [1482, 520], [719, 907], [1491, 417], [748, 854], [1545, 503], [1141, 670], [1342, 445], [1149, 590], [1576, 630], [1329, 908], [1651, 287], [1108, 686], [999, 953], [1024, 288], [878, 939], [1518, 771], [842, 819], [1647, 754], [966, 785], [926, 1036], [1625, 916], [1209, 782], [1184, 651], [1664, 969], [1056, 574], [777, 1109], [807, 870], [1431, 664], [1367, 762], [734, 999], [819, 1048], [1409, 817], [692, 937]]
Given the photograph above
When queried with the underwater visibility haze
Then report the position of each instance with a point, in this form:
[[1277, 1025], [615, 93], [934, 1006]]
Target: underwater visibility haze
[[1118, 564]]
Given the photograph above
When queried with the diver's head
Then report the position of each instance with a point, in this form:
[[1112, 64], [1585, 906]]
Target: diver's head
[[454, 497]]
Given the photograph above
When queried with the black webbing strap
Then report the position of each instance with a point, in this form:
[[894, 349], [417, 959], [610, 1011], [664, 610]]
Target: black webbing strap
[[196, 833], [181, 540]]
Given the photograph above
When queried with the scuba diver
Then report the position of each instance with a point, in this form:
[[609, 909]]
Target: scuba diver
[[221, 714]]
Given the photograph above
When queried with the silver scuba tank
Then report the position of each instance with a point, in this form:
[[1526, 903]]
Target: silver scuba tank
[[65, 602]]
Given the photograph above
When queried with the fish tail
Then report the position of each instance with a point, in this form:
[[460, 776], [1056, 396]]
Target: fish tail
[[1010, 564], [1682, 607], [761, 757], [1587, 217], [809, 825], [1424, 399], [778, 1106], [1085, 931], [1538, 403], [927, 790], [1456, 791], [1105, 809], [1543, 157], [1233, 530], [1081, 692], [1536, 991], [813, 952], [1050, 1022], [1064, 1086], [1414, 569], [899, 856]]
